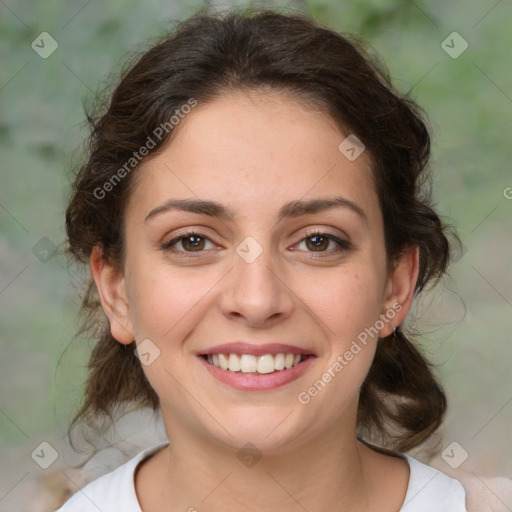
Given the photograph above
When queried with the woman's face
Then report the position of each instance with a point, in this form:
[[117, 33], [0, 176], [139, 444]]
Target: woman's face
[[259, 275]]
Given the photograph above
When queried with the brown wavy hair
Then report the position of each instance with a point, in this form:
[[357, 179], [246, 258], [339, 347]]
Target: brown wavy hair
[[401, 402]]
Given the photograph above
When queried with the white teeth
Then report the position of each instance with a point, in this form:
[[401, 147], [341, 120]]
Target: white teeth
[[279, 362], [247, 363], [234, 363], [266, 364], [223, 361]]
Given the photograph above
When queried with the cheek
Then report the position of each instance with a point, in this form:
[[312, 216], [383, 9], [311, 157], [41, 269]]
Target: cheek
[[348, 302], [348, 306], [163, 299]]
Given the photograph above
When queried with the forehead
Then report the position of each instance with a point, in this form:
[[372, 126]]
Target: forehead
[[253, 151]]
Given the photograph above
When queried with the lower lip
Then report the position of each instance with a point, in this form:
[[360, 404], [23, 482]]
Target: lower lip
[[251, 382]]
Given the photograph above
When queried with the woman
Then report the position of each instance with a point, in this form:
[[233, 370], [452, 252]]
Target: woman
[[254, 214]]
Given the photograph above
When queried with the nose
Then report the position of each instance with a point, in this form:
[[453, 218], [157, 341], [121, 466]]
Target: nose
[[256, 291]]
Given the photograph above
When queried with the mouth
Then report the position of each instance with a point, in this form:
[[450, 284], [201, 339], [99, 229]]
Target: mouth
[[256, 364], [247, 372], [256, 367]]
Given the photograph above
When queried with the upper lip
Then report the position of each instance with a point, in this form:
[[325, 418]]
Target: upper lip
[[239, 347]]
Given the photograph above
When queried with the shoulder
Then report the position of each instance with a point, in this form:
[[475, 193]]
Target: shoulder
[[492, 494], [431, 488], [111, 492], [483, 493]]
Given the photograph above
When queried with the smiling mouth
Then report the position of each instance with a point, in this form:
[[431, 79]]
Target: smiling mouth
[[255, 365]]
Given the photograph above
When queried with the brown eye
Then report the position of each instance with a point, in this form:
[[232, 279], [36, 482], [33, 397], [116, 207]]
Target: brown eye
[[192, 243], [317, 242], [188, 243]]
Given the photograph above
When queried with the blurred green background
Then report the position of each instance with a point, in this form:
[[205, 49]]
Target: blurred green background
[[468, 100]]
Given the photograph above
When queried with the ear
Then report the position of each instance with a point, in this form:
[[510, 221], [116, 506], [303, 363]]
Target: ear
[[111, 286], [400, 288]]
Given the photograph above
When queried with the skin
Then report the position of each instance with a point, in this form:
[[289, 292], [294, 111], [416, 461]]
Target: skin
[[254, 152]]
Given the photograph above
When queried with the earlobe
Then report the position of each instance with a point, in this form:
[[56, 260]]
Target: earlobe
[[400, 289], [111, 286]]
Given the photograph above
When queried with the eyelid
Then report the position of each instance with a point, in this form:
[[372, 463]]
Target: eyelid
[[328, 230], [342, 242], [185, 233]]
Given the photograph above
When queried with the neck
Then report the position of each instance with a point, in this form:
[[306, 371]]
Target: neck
[[327, 472]]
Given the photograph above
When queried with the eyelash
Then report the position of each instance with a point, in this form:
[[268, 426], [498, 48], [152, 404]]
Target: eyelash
[[342, 245]]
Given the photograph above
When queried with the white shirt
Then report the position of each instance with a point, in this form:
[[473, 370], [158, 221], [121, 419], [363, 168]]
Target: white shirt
[[429, 490]]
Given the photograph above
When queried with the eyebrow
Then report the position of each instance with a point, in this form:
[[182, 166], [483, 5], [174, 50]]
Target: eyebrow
[[289, 210]]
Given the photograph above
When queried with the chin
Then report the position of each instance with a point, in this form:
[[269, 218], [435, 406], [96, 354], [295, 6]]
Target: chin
[[268, 431]]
